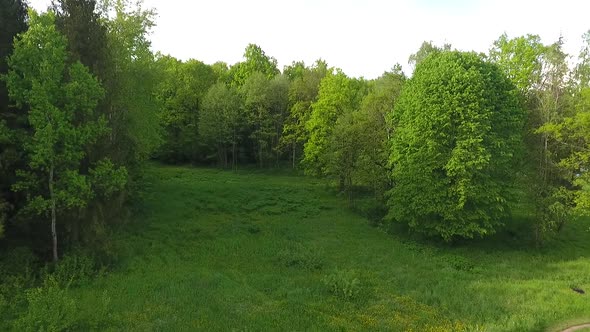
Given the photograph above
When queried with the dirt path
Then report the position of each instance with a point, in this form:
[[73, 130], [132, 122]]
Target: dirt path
[[576, 328]]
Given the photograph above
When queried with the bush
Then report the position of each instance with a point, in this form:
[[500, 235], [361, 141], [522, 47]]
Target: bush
[[18, 261], [16, 274], [307, 258], [343, 284], [371, 209], [459, 263], [50, 309], [74, 269]]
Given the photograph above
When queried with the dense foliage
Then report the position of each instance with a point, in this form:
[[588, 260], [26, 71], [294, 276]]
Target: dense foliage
[[458, 131], [73, 139], [447, 152], [440, 151]]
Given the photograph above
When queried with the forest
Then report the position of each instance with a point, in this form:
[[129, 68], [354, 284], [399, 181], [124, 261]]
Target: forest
[[286, 192]]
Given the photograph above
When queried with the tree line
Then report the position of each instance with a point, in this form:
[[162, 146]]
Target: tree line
[[84, 103]]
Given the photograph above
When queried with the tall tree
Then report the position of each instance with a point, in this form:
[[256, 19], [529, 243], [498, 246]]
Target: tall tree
[[338, 95], [541, 74], [565, 134], [458, 128], [303, 92], [56, 94], [375, 131], [13, 18], [520, 59], [279, 110], [181, 91], [427, 48], [80, 22], [220, 121], [255, 61], [86, 34], [136, 128], [256, 95]]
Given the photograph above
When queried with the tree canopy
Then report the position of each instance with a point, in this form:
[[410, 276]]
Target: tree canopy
[[458, 130]]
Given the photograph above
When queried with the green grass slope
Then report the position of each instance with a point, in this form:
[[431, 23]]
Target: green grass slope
[[248, 251]]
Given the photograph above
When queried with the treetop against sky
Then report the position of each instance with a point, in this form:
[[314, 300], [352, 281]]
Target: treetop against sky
[[364, 38]]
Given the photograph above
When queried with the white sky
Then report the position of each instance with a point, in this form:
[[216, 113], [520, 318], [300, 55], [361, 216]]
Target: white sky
[[363, 37]]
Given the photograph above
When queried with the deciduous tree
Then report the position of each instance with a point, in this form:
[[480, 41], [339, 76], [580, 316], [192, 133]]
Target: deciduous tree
[[458, 130], [56, 94]]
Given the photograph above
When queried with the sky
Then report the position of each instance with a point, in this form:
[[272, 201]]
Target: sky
[[363, 37]]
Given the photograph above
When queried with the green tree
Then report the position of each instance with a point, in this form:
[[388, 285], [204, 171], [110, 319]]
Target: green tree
[[13, 18], [256, 95], [564, 139], [221, 71], [570, 199], [375, 131], [425, 50], [56, 94], [279, 110], [80, 22], [134, 117], [458, 130], [255, 61], [303, 92], [542, 75], [338, 95], [520, 59], [182, 88], [220, 121]]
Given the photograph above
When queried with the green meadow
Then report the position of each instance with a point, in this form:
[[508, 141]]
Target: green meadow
[[217, 250]]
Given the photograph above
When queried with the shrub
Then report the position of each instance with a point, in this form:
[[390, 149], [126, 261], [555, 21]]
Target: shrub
[[18, 261], [50, 309], [459, 263], [74, 269], [343, 284], [307, 258]]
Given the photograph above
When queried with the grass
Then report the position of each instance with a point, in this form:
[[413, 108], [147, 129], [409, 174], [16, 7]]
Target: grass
[[248, 251]]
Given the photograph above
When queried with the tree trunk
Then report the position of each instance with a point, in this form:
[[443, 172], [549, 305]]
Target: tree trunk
[[342, 184], [233, 155], [53, 214], [294, 147], [260, 153]]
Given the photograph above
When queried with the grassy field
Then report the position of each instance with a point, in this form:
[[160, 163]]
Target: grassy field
[[251, 251]]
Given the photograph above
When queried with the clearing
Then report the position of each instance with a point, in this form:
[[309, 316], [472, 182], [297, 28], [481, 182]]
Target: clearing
[[254, 251]]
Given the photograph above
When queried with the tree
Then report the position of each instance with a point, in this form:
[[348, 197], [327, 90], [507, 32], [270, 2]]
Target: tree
[[338, 95], [303, 92], [56, 94], [13, 18], [220, 121], [181, 91], [458, 130], [80, 22], [134, 116], [375, 131], [520, 59], [221, 71], [541, 74], [565, 132], [425, 50], [279, 109], [570, 198], [256, 61], [255, 93]]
